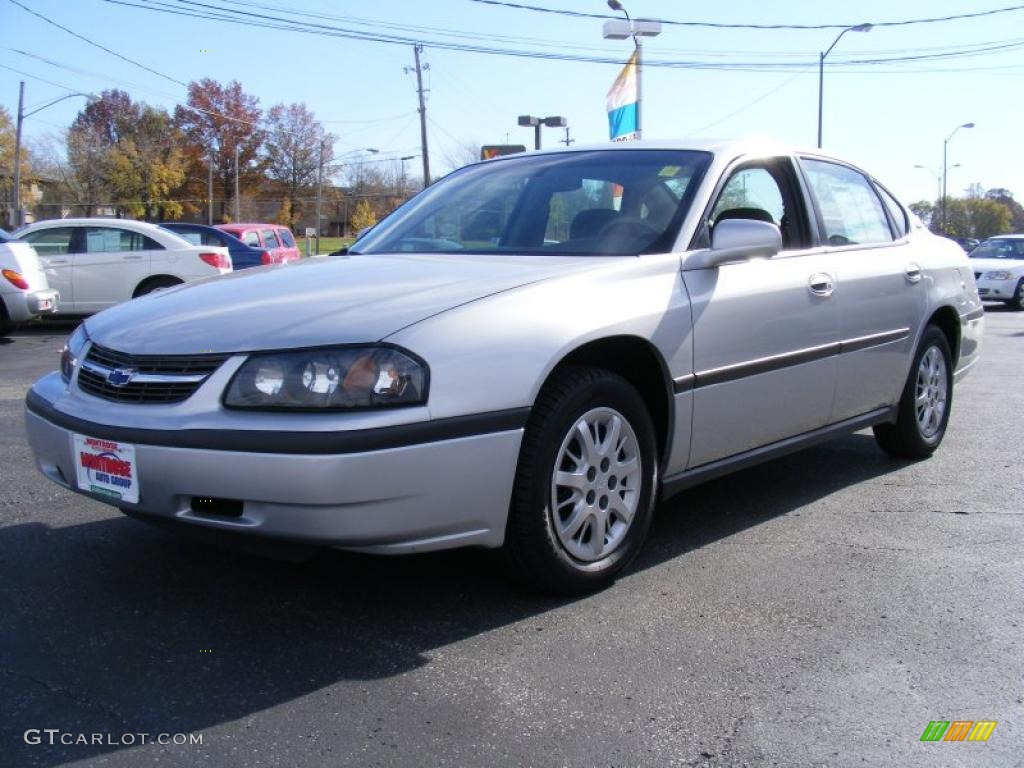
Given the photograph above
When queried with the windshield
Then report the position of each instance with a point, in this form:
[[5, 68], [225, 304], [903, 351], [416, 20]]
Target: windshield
[[5, 237], [1000, 248], [610, 202]]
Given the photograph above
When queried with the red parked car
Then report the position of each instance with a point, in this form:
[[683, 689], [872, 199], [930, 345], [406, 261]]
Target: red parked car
[[278, 241]]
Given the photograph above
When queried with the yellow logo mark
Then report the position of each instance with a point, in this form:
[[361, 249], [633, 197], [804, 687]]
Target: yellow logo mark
[[982, 730]]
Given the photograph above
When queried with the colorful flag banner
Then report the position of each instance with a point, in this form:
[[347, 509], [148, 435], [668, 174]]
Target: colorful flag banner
[[622, 103]]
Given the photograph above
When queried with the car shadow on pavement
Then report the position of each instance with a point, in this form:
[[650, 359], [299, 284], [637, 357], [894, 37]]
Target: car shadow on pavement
[[115, 627]]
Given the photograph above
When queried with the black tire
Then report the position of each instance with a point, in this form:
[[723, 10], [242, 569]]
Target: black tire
[[532, 546], [1017, 302], [151, 284], [6, 326], [906, 439]]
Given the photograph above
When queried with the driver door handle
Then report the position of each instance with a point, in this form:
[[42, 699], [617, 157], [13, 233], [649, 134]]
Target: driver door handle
[[913, 273], [820, 284]]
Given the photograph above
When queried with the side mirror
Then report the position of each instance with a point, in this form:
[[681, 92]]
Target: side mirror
[[737, 240]]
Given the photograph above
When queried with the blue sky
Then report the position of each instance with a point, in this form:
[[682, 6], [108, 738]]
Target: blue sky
[[887, 117]]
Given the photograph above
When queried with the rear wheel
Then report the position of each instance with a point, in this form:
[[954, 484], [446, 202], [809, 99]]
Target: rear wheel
[[924, 407], [583, 496], [151, 284]]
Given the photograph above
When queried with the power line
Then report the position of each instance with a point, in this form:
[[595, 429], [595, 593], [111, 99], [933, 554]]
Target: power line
[[97, 45], [208, 11], [726, 25]]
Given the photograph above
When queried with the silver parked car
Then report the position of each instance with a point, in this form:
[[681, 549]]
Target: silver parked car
[[528, 355], [24, 292]]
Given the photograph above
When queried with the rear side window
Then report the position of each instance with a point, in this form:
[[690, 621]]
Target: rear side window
[[270, 239], [113, 240], [286, 238], [850, 210], [899, 217], [192, 238], [51, 242]]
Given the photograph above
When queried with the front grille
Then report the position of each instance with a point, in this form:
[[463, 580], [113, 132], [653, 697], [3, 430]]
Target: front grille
[[155, 378]]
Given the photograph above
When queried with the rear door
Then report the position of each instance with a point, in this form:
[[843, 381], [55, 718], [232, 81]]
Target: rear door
[[113, 263], [272, 244], [880, 287], [765, 331], [56, 249]]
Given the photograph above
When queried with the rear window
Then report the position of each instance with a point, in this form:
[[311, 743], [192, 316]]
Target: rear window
[[192, 238], [286, 238]]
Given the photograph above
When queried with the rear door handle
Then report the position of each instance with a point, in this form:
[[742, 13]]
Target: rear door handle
[[131, 258], [820, 284], [913, 273], [57, 261]]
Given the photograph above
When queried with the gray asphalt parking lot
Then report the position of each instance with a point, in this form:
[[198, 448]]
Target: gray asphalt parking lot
[[817, 610]]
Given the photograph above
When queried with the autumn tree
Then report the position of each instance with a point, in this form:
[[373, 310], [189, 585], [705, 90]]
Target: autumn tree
[[216, 121], [95, 130], [146, 166], [292, 150], [976, 217], [363, 215], [1005, 197]]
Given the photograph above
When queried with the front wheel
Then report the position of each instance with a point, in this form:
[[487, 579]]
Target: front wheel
[[583, 496], [924, 407], [1017, 302]]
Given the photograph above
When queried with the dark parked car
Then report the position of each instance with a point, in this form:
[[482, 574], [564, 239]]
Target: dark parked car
[[242, 255]]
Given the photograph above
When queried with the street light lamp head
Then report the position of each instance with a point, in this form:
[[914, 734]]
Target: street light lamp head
[[862, 28], [615, 5], [528, 120], [967, 125], [556, 121]]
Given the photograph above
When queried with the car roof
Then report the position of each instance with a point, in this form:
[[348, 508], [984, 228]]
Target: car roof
[[248, 225], [98, 221]]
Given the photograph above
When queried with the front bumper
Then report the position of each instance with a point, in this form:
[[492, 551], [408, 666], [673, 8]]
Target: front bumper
[[409, 498], [997, 290]]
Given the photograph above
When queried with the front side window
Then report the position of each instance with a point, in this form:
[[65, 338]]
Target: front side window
[[850, 210], [609, 202], [51, 242]]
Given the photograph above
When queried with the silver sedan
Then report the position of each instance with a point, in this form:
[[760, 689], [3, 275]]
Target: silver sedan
[[528, 355]]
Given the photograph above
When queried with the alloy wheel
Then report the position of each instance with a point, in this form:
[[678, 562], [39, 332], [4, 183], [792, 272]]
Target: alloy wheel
[[596, 484], [932, 392]]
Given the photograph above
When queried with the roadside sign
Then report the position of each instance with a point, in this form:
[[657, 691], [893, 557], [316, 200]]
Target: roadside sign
[[490, 151]]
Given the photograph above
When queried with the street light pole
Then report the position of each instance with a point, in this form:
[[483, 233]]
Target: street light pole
[[319, 191], [22, 114], [821, 69], [555, 121], [945, 145], [238, 202], [614, 30]]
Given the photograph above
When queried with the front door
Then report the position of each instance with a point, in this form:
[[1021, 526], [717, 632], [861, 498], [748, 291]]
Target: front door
[[113, 263], [56, 253], [765, 331]]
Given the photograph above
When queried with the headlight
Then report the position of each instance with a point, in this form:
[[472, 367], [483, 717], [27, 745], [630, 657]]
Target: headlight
[[997, 276], [338, 378], [70, 352]]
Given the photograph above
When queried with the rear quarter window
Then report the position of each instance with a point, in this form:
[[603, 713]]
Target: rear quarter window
[[286, 238]]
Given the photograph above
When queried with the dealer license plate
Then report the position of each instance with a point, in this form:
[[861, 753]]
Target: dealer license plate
[[107, 468]]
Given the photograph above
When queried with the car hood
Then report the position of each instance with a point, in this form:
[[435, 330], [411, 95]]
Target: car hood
[[335, 300], [1002, 265]]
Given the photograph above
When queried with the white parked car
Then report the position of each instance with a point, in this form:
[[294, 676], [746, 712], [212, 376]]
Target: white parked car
[[998, 265], [24, 292], [97, 263]]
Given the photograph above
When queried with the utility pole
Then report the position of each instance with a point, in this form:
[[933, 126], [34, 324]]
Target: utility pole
[[319, 192], [417, 50], [567, 141], [17, 155], [209, 189], [238, 202]]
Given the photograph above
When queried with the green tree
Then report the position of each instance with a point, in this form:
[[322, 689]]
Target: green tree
[[924, 210], [7, 141], [976, 217], [1005, 196]]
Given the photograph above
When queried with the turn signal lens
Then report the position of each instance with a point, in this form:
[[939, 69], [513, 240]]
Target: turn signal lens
[[16, 279]]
